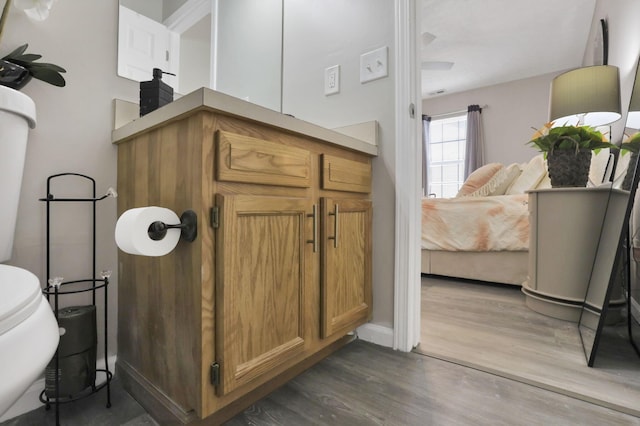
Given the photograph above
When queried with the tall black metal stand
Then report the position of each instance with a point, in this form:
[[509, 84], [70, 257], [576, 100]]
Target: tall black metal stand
[[56, 288]]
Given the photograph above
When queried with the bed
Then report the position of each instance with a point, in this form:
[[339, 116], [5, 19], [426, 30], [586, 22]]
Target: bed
[[479, 238], [483, 233]]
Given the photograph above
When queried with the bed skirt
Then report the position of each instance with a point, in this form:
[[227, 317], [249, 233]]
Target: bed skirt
[[505, 267]]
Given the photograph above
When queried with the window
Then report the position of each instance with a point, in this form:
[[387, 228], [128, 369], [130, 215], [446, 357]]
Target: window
[[447, 141]]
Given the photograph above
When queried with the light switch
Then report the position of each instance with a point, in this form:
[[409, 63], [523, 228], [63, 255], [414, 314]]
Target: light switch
[[332, 80], [374, 65]]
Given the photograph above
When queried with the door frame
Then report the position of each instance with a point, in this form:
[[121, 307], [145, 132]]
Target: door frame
[[408, 110]]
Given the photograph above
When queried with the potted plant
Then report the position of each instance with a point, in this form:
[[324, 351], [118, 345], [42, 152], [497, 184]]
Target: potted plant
[[568, 151], [18, 67]]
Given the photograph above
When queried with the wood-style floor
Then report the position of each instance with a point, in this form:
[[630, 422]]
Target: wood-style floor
[[488, 327], [365, 384]]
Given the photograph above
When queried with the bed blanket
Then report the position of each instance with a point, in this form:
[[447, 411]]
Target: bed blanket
[[494, 223]]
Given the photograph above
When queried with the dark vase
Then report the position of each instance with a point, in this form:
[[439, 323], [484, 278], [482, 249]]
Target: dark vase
[[12, 75], [568, 167]]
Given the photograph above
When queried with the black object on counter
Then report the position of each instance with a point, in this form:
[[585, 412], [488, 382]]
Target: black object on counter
[[154, 93]]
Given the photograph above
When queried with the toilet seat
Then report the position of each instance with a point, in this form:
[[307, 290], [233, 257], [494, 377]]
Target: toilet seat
[[21, 296]]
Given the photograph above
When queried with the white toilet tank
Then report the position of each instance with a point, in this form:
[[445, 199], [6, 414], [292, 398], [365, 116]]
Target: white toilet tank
[[17, 115]]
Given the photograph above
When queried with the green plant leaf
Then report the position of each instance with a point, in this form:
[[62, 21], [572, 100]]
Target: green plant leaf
[[49, 76], [27, 57], [49, 73], [19, 51], [52, 67], [571, 137]]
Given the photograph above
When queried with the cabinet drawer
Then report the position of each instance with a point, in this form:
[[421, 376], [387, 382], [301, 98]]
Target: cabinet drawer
[[245, 159], [345, 175]]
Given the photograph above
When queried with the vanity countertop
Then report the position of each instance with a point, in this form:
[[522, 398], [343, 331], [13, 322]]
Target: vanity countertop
[[207, 99]]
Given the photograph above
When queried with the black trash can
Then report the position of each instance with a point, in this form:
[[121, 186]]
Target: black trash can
[[76, 352]]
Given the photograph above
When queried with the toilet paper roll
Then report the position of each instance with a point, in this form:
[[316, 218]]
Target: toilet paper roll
[[79, 324], [132, 236]]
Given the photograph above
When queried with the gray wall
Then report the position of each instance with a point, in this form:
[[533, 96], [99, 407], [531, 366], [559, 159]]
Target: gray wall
[[515, 107], [322, 33], [512, 110], [249, 50], [73, 134], [624, 46]]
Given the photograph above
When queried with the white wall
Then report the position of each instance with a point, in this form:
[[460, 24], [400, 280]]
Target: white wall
[[73, 134], [512, 110], [322, 33]]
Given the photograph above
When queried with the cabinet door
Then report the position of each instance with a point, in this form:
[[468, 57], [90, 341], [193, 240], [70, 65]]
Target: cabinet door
[[260, 274], [346, 264]]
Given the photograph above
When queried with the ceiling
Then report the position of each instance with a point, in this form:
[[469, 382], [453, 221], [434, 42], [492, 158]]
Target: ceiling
[[495, 41]]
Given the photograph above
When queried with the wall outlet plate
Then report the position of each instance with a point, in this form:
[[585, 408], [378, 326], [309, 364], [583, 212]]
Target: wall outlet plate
[[332, 80], [374, 65]]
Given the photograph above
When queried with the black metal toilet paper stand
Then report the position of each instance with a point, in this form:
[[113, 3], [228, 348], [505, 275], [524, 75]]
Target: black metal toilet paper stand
[[57, 287]]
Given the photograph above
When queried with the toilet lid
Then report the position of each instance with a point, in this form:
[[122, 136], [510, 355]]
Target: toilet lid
[[20, 295]]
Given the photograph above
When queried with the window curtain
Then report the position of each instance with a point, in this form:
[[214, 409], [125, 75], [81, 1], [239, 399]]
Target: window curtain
[[474, 155], [426, 120]]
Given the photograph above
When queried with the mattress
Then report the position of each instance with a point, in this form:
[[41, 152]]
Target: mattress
[[493, 223]]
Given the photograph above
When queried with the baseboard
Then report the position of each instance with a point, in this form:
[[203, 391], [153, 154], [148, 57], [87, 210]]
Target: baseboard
[[30, 400], [166, 412], [162, 408], [376, 334]]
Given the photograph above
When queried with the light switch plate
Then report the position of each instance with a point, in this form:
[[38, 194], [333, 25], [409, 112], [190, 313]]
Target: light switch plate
[[332, 80], [374, 65]]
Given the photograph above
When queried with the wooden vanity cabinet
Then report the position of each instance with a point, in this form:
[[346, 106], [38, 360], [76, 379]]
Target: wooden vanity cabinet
[[279, 274], [346, 246]]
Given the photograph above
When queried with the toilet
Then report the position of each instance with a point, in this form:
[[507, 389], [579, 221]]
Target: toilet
[[28, 333], [28, 328]]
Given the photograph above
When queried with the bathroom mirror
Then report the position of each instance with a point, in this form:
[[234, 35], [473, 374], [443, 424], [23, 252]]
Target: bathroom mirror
[[633, 287], [232, 46], [605, 303]]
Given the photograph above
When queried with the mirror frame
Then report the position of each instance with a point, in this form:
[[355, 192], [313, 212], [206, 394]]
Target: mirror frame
[[631, 321], [591, 348], [590, 340]]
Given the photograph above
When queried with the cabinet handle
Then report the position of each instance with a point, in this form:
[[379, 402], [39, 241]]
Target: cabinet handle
[[314, 216], [335, 225]]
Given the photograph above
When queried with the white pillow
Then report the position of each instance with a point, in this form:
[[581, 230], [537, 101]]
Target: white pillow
[[498, 183], [531, 175], [545, 183], [478, 178]]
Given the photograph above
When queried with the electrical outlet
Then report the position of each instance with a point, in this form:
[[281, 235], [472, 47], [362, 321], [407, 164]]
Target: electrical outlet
[[332, 80], [374, 65]]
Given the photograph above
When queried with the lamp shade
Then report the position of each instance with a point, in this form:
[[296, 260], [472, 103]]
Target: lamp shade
[[589, 96]]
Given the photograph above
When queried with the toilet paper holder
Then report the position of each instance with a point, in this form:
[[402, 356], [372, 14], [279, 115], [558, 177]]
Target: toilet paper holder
[[188, 227]]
